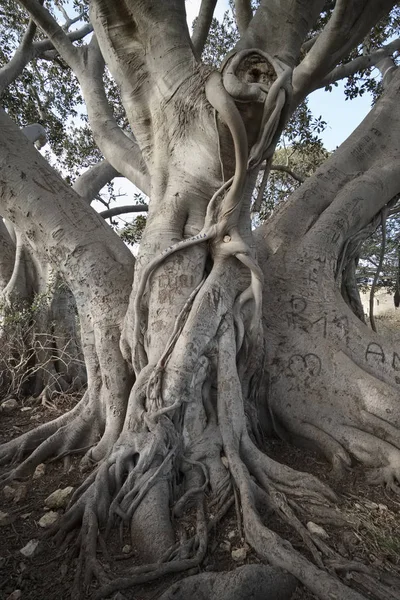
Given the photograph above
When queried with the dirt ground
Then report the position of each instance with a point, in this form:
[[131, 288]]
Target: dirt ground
[[372, 537]]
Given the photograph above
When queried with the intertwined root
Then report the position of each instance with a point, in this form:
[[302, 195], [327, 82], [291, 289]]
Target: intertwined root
[[113, 492]]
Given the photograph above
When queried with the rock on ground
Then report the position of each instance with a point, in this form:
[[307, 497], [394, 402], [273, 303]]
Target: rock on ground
[[16, 595], [30, 549], [9, 405], [250, 582], [39, 471], [48, 519], [59, 498], [4, 518]]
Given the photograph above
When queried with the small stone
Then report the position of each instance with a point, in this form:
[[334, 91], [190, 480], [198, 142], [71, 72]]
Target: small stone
[[126, 549], [30, 548], [382, 507], [26, 408], [225, 546], [239, 554], [231, 535], [315, 529], [26, 515], [59, 498], [9, 405], [3, 518], [48, 519], [39, 471], [20, 493], [16, 595], [64, 569], [371, 505]]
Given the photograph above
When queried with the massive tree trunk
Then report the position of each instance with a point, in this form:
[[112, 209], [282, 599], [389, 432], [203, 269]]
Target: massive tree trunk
[[332, 381], [183, 438]]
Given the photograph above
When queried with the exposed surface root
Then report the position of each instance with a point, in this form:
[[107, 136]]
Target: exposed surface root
[[71, 431], [267, 544]]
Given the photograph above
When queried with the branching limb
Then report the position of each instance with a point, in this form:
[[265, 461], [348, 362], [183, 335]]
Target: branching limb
[[289, 171], [244, 14], [21, 57], [123, 210], [349, 24], [89, 184], [88, 65], [57, 36], [202, 26], [45, 48], [293, 21], [359, 64]]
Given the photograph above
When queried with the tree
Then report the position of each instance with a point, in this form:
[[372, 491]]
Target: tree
[[225, 336]]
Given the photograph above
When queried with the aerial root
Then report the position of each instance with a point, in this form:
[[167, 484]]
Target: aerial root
[[319, 577], [278, 551], [150, 572], [253, 471]]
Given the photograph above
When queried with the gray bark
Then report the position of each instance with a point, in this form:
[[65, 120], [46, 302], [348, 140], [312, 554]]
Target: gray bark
[[191, 329]]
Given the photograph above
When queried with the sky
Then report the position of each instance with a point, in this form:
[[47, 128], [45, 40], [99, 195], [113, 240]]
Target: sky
[[342, 116]]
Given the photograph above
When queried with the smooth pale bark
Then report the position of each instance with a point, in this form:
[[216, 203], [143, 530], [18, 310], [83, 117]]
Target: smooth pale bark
[[287, 23], [317, 349], [7, 255], [191, 330], [350, 22], [94, 262], [89, 184]]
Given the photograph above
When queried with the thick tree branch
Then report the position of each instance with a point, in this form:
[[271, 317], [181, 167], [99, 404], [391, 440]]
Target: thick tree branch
[[42, 46], [89, 184], [244, 14], [375, 138], [40, 49], [202, 25], [137, 60], [279, 27], [360, 63], [88, 65], [350, 22], [289, 171], [54, 32], [21, 57], [122, 152], [58, 218], [123, 210]]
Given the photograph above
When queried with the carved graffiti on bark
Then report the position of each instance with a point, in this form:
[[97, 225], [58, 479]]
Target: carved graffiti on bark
[[308, 363], [296, 318]]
